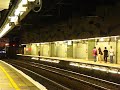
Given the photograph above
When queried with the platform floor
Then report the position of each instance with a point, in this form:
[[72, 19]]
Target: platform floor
[[10, 79], [102, 63]]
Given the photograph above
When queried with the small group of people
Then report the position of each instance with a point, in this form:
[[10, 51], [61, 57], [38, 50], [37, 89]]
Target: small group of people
[[97, 54]]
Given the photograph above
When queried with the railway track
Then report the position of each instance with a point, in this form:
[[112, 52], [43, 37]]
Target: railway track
[[59, 79]]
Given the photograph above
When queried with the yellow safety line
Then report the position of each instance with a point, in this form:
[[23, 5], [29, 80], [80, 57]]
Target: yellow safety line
[[11, 80]]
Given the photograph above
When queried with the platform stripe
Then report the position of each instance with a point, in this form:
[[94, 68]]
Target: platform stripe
[[11, 80]]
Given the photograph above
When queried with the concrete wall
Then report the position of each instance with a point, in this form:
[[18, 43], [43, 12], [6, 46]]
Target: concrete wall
[[114, 46], [45, 49], [80, 50], [70, 50], [118, 52], [61, 49], [91, 45], [34, 50]]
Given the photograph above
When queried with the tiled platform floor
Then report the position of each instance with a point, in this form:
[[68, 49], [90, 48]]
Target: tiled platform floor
[[10, 79]]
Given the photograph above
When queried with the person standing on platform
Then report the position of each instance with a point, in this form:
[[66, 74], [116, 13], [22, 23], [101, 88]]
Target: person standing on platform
[[111, 54], [39, 54], [95, 54], [105, 54], [100, 54]]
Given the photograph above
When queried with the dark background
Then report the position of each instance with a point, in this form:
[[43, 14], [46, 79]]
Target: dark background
[[68, 19]]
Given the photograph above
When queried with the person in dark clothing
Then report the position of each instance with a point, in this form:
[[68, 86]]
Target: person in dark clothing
[[100, 54], [105, 54], [39, 54]]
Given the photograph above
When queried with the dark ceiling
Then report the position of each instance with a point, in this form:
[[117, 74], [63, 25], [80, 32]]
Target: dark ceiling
[[57, 10], [52, 10]]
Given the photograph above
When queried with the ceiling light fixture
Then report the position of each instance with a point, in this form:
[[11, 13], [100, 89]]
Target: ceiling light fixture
[[7, 27], [31, 0]]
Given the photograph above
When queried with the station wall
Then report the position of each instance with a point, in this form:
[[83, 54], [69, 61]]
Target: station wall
[[118, 52], [45, 49], [91, 45], [78, 49], [34, 49]]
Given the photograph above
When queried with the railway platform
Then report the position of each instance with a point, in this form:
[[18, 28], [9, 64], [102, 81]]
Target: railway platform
[[13, 79], [84, 63]]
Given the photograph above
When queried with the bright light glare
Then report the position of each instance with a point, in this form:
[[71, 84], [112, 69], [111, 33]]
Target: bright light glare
[[35, 58], [38, 44], [31, 0], [103, 69], [83, 66], [7, 44], [89, 66], [17, 12], [49, 60], [113, 71], [74, 64], [69, 42], [96, 68], [20, 8], [7, 27], [24, 2], [13, 18], [101, 39], [23, 9]]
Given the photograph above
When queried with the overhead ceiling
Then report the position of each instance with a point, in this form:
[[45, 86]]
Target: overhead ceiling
[[51, 12], [54, 10]]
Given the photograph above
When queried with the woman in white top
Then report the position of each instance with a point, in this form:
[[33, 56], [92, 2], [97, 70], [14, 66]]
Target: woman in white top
[[111, 54]]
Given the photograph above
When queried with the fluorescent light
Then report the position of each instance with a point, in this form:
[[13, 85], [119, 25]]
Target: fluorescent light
[[31, 0], [91, 38], [38, 44], [21, 9], [7, 27], [69, 42], [24, 2], [42, 43], [23, 44], [101, 39], [17, 12], [13, 19]]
